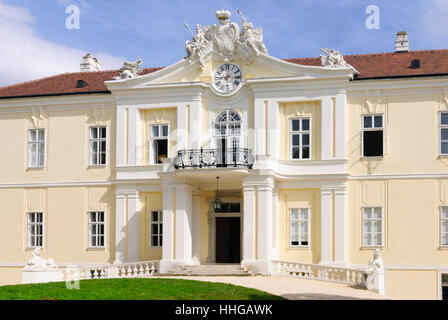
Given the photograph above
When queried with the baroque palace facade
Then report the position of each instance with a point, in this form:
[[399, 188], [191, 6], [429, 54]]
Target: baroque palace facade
[[319, 160]]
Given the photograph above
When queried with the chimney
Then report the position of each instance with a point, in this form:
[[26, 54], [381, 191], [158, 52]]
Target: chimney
[[90, 64], [402, 42]]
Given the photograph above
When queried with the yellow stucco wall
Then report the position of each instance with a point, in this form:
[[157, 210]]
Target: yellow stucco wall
[[149, 201], [292, 110], [65, 223], [10, 276], [299, 198], [412, 284]]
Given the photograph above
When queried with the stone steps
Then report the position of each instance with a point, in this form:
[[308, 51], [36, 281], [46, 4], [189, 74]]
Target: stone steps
[[209, 270]]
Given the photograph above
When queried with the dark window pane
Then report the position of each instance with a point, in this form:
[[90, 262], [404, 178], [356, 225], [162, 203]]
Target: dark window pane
[[305, 153], [306, 140], [161, 149], [160, 241], [295, 125], [154, 241], [161, 228], [378, 121], [296, 153], [103, 133], [165, 131], [305, 124], [154, 229], [294, 243], [154, 216], [155, 131], [444, 134], [304, 243], [373, 143], [367, 122], [444, 118], [444, 148], [295, 140]]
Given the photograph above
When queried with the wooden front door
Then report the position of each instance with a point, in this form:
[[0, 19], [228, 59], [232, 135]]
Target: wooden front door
[[228, 240]]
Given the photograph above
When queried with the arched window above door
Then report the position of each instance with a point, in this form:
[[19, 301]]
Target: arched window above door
[[228, 123]]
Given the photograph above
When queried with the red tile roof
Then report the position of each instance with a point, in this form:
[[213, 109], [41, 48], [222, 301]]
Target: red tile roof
[[370, 66]]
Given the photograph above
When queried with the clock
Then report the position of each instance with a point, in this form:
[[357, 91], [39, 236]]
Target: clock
[[227, 77]]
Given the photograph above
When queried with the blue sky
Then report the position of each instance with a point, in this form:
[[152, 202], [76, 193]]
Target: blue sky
[[36, 42]]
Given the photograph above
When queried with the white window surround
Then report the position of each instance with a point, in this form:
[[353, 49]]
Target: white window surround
[[300, 133], [37, 148], [443, 138], [370, 219], [157, 224], [35, 230], [96, 229], [302, 220], [373, 127], [98, 146], [444, 226], [161, 134]]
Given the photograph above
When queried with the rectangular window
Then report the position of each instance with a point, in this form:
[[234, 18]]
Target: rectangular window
[[158, 142], [444, 133], [156, 227], [444, 226], [372, 222], [98, 141], [372, 135], [36, 148], [301, 138], [299, 224], [35, 229], [96, 229]]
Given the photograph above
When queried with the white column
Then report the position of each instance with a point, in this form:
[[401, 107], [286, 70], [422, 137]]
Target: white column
[[184, 241], [275, 224], [273, 129], [326, 226], [326, 125], [248, 225], [168, 225], [264, 227], [133, 227], [182, 135], [196, 208], [196, 123], [121, 136], [120, 227], [340, 227], [259, 127], [340, 124], [132, 136]]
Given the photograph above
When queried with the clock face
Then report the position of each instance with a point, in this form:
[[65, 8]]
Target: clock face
[[227, 77]]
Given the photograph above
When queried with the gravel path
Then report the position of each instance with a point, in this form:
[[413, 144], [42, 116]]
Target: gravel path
[[294, 288]]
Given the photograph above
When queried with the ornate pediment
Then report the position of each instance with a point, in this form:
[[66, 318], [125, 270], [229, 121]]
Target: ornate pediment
[[226, 41]]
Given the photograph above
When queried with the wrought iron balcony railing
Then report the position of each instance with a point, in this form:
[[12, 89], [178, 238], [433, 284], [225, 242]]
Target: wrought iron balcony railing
[[214, 158]]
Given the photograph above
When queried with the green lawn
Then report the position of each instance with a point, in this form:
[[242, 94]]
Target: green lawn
[[134, 289]]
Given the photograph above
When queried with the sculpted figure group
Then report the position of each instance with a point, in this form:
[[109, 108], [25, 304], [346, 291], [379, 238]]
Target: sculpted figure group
[[227, 38]]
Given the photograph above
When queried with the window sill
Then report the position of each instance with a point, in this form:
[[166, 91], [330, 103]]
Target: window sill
[[96, 248], [99, 166], [35, 168], [444, 247], [299, 247], [376, 158], [154, 248], [42, 249], [442, 156], [372, 247]]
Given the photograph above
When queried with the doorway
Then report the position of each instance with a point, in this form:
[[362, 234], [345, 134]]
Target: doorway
[[228, 240]]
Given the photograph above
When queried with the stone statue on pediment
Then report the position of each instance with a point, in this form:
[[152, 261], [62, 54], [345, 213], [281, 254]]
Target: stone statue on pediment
[[332, 59], [130, 70], [251, 37], [197, 44]]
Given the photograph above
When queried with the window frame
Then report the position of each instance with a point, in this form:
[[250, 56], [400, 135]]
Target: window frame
[[98, 140], [372, 219], [373, 128], [442, 219], [159, 223], [152, 138], [97, 235], [299, 220], [29, 236], [37, 143], [300, 132], [442, 126]]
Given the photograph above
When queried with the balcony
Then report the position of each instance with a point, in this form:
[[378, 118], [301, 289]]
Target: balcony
[[214, 158]]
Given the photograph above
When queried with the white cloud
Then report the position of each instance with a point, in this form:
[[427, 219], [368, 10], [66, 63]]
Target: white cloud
[[26, 56]]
